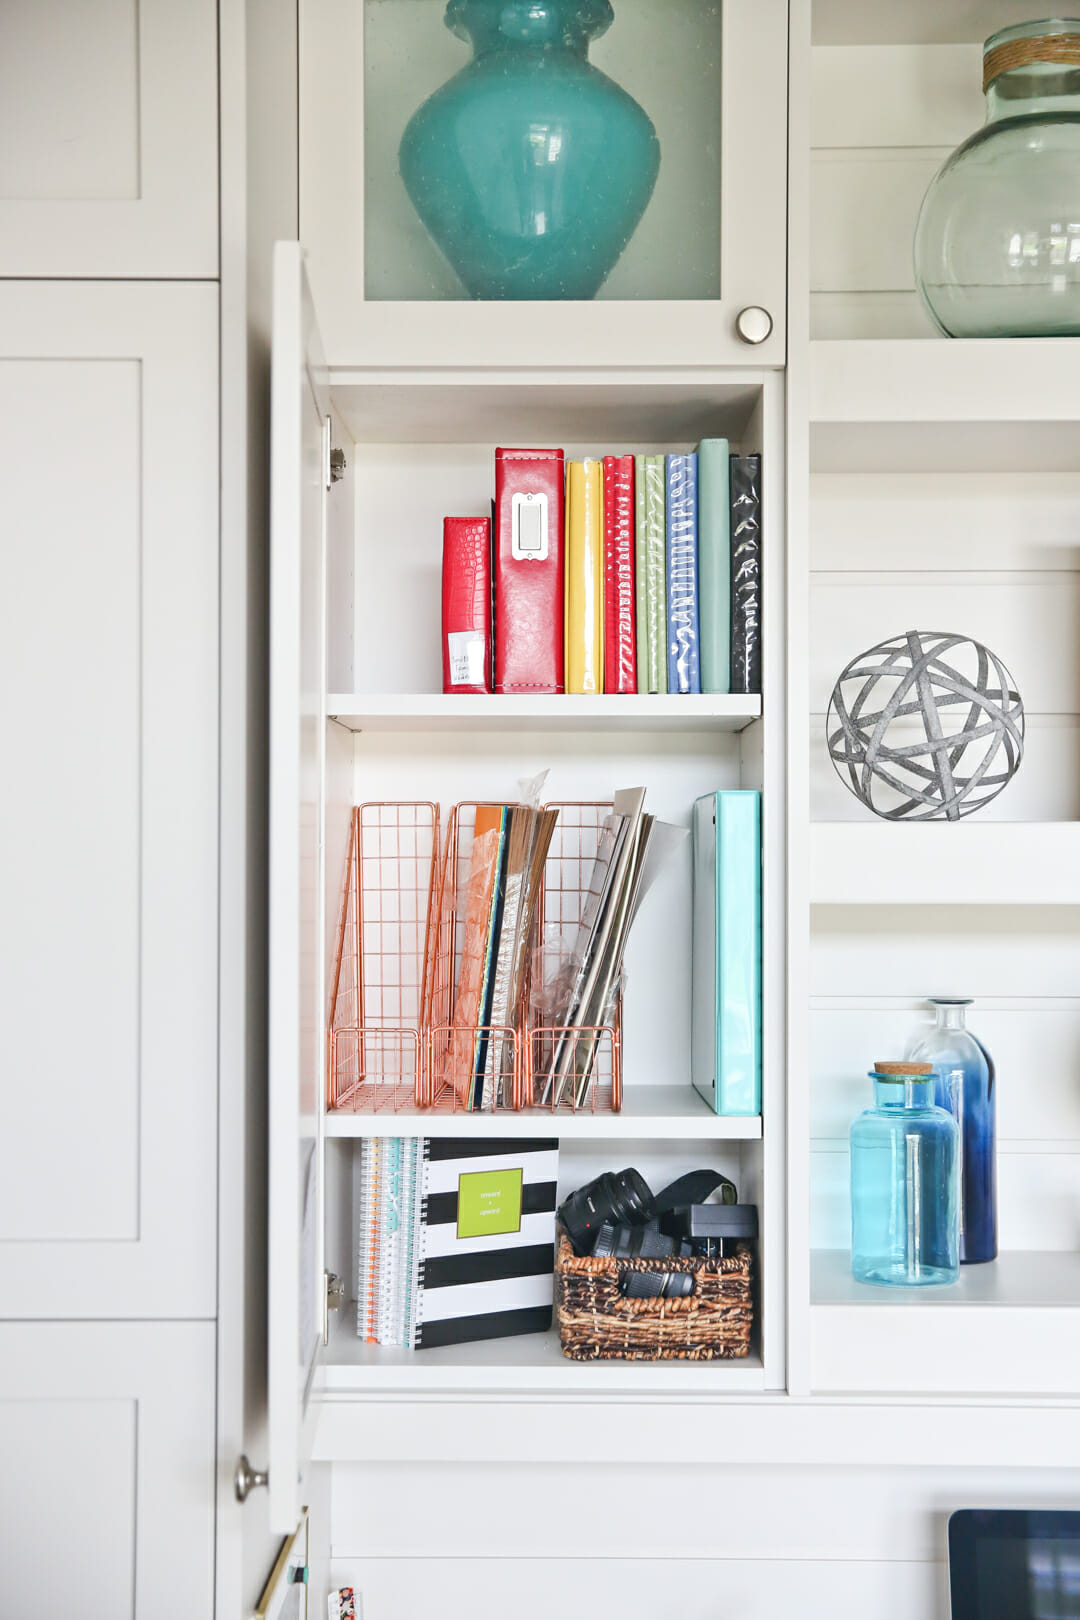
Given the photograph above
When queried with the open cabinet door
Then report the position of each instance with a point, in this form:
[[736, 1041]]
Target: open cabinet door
[[300, 446]]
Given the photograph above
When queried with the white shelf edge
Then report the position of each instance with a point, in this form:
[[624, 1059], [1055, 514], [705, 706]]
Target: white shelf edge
[[473, 712], [1019, 1279], [662, 1113], [939, 381], [882, 863], [532, 1364]]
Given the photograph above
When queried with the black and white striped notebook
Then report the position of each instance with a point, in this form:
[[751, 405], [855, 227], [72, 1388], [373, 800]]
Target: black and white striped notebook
[[455, 1239], [487, 1242]]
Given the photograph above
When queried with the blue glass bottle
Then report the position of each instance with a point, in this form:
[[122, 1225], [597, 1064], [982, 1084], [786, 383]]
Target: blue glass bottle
[[530, 168], [964, 1072], [905, 1224]]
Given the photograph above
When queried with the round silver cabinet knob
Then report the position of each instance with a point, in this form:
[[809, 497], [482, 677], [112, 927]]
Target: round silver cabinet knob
[[753, 324], [247, 1479]]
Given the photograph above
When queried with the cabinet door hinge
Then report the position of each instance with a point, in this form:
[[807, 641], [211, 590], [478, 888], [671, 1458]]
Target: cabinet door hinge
[[333, 458], [333, 1300]]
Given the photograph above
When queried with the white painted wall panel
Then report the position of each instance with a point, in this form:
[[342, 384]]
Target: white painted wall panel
[[810, 1511], [635, 1589], [1038, 1198], [1046, 787], [884, 118], [108, 138], [71, 622], [107, 1468], [996, 522], [864, 205], [1035, 1046], [108, 675], [71, 1464], [69, 101], [1006, 952], [894, 95], [1030, 620]]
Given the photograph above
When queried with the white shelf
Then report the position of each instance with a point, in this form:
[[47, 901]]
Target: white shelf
[[883, 863], [660, 1113], [531, 1363], [927, 405], [1017, 1279], [1009, 1327], [474, 712]]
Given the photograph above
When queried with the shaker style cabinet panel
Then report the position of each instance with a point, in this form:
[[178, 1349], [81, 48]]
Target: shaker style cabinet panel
[[107, 1468], [108, 691], [108, 138]]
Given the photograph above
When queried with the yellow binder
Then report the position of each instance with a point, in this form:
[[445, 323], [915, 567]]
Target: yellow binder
[[584, 625]]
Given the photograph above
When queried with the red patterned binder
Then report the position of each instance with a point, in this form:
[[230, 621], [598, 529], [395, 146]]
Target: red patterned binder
[[466, 604], [620, 636], [528, 565]]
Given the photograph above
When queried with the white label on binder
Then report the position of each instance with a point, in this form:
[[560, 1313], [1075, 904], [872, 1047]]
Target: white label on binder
[[466, 649]]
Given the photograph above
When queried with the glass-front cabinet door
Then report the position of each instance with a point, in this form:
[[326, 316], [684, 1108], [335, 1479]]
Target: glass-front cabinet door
[[545, 182]]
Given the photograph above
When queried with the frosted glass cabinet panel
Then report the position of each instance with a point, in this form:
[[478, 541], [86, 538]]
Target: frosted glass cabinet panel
[[108, 697], [580, 159], [108, 138]]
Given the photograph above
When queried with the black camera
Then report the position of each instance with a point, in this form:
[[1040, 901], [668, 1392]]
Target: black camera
[[613, 1199], [646, 1243], [616, 1216]]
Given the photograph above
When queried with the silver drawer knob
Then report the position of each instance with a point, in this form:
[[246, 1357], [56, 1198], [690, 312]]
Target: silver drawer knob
[[248, 1479], [753, 324]]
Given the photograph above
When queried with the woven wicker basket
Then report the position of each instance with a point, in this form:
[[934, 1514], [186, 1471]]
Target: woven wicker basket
[[597, 1323]]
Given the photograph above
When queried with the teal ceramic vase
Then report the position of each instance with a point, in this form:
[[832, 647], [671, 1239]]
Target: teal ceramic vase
[[530, 168]]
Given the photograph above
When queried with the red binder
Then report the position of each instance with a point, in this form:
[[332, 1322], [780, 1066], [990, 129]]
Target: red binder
[[466, 604], [528, 567], [620, 635]]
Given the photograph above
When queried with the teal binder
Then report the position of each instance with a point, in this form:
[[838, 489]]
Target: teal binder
[[714, 565], [726, 984]]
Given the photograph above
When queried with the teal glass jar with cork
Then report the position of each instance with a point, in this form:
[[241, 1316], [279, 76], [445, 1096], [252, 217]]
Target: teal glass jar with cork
[[905, 1183]]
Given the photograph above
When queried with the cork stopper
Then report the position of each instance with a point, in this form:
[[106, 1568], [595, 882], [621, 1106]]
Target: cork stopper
[[904, 1068]]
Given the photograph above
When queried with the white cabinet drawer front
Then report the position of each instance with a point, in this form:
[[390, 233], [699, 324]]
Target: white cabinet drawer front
[[107, 1468], [108, 696], [108, 138]]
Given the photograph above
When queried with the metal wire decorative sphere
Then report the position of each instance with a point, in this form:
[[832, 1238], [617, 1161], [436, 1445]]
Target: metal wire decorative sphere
[[926, 726]]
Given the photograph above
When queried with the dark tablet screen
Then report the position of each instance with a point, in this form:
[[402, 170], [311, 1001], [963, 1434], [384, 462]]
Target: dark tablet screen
[[1006, 1565]]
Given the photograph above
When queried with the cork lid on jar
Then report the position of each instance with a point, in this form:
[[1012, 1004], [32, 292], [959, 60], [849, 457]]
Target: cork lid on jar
[[904, 1070]]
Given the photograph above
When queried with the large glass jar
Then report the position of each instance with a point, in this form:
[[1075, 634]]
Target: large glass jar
[[997, 245], [964, 1085], [905, 1228]]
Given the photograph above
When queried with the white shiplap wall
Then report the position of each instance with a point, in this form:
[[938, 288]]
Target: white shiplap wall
[[884, 118], [662, 1542]]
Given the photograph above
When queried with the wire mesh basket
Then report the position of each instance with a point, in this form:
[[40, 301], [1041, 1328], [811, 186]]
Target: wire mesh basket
[[381, 987], [570, 1069], [405, 1029]]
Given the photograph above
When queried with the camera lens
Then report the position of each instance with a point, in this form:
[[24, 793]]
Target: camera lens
[[645, 1243], [619, 1198], [656, 1284]]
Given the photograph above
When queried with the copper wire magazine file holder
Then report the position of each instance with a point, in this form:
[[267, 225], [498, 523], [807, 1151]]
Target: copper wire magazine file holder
[[397, 1040]]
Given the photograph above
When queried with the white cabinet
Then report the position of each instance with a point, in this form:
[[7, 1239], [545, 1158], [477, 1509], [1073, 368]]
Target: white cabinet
[[107, 1468], [108, 138], [713, 78], [108, 688]]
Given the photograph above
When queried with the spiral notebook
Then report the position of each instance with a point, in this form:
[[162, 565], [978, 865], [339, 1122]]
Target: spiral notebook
[[455, 1239]]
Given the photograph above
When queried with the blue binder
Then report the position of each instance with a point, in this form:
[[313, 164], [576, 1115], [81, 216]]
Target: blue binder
[[726, 988], [682, 574]]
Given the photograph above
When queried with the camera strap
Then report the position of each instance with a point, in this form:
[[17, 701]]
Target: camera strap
[[693, 1188]]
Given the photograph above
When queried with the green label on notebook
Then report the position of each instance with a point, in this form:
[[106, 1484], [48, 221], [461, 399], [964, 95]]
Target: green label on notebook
[[489, 1202]]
